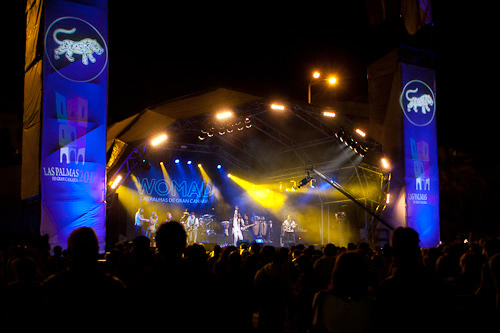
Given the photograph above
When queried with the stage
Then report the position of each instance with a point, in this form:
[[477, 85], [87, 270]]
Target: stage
[[257, 154]]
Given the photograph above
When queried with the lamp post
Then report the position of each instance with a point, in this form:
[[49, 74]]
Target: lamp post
[[316, 79]]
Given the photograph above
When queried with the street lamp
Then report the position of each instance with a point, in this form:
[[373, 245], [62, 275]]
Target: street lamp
[[316, 79]]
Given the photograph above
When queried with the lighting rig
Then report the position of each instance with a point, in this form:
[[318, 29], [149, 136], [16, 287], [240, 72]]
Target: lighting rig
[[225, 125], [341, 189], [137, 157]]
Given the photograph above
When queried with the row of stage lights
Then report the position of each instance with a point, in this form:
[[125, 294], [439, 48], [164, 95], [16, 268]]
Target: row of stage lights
[[190, 162], [224, 125]]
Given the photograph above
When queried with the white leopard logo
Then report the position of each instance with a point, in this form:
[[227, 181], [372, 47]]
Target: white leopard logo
[[86, 47], [424, 101]]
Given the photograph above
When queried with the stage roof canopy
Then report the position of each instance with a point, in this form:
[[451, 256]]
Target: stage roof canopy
[[260, 136]]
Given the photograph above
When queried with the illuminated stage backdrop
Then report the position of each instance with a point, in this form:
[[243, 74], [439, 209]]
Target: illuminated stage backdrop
[[418, 104], [73, 155]]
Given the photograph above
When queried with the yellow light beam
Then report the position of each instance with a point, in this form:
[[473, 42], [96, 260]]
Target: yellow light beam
[[261, 193], [168, 180], [136, 183], [208, 182]]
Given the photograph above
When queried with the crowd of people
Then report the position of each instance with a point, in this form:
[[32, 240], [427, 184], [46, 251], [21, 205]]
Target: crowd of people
[[253, 288]]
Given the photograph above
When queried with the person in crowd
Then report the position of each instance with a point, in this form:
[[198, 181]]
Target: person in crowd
[[22, 297], [324, 265], [486, 294], [410, 299], [346, 305], [304, 288], [174, 287], [273, 287], [494, 264], [79, 292]]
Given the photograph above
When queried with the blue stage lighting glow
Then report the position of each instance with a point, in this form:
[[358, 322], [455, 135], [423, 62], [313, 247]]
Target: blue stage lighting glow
[[177, 161], [189, 162], [219, 166]]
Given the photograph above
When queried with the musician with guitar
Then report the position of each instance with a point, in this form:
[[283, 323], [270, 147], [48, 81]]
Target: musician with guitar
[[192, 228], [288, 230]]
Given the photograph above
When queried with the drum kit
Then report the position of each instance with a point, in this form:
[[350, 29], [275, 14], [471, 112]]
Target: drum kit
[[207, 224]]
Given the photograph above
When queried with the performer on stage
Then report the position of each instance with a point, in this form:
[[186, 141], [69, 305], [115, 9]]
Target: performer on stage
[[183, 219], [288, 231], [140, 223], [153, 225], [192, 228], [169, 217], [237, 226]]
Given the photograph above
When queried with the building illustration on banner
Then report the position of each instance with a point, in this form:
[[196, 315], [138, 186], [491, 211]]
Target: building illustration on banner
[[72, 115], [420, 157]]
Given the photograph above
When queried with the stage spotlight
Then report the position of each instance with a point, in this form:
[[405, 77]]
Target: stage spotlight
[[248, 123], [304, 181], [116, 182], [360, 132], [189, 162], [199, 165], [385, 163], [329, 114], [159, 139], [145, 164], [229, 175], [219, 166], [177, 161], [277, 107], [223, 115]]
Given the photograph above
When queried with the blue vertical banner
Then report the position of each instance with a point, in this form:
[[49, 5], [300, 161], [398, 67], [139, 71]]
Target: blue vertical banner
[[73, 159], [418, 104]]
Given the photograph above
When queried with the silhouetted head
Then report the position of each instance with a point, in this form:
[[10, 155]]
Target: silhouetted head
[[141, 245], [171, 239], [83, 246], [405, 246], [349, 277], [330, 250]]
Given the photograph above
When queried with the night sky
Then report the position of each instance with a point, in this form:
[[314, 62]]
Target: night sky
[[175, 50], [159, 52]]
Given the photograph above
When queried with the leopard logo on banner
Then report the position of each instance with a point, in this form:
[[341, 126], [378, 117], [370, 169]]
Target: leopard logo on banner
[[85, 47], [75, 49], [418, 103]]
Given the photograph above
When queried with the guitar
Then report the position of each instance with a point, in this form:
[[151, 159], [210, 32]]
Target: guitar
[[247, 226]]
